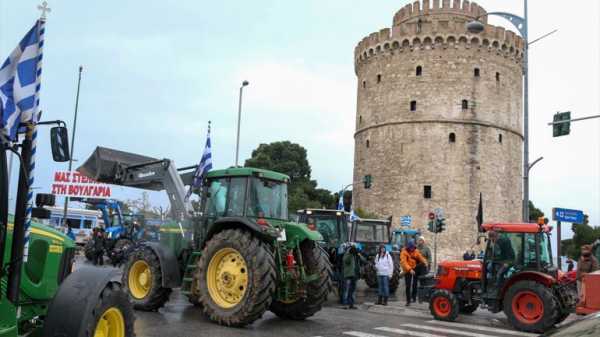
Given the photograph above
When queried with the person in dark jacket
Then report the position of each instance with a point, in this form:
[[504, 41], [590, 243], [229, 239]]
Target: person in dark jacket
[[502, 255], [587, 264], [99, 243], [351, 273]]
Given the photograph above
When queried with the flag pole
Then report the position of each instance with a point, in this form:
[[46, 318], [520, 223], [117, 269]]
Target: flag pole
[[72, 142]]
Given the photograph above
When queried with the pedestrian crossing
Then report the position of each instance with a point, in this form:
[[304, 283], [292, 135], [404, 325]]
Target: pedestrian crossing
[[435, 328]]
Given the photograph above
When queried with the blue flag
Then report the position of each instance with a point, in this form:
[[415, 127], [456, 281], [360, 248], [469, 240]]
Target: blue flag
[[20, 82], [340, 206]]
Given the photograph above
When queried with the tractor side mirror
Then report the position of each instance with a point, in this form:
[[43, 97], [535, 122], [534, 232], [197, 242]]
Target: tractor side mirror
[[59, 140]]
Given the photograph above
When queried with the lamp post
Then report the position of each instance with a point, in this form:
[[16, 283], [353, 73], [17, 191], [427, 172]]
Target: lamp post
[[521, 23], [237, 145]]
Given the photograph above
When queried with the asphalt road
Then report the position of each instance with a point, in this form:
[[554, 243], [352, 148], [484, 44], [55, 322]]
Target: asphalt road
[[180, 319]]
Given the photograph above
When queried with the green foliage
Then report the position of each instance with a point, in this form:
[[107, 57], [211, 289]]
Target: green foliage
[[584, 234], [290, 158], [534, 212]]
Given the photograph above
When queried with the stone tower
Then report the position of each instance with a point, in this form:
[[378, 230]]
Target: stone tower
[[439, 121]]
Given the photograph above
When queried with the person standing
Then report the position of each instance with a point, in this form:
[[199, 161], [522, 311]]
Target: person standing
[[98, 247], [385, 269], [351, 271], [425, 251], [587, 264], [570, 265], [413, 264]]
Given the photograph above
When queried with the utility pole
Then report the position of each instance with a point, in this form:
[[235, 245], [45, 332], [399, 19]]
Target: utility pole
[[237, 144], [73, 142]]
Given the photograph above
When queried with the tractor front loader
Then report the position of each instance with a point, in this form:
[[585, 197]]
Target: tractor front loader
[[39, 293], [236, 256]]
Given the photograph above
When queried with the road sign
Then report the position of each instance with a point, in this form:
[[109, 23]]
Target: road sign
[[567, 215], [439, 213], [406, 220]]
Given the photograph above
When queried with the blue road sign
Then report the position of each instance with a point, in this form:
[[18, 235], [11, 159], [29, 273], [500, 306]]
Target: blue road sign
[[567, 215], [406, 220]]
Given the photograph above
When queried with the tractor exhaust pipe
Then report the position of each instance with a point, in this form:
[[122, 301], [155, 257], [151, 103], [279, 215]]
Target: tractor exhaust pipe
[[4, 179]]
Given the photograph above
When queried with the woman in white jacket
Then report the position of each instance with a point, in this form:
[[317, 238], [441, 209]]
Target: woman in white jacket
[[385, 268]]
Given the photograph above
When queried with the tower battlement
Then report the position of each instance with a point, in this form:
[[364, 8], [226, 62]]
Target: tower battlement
[[419, 26]]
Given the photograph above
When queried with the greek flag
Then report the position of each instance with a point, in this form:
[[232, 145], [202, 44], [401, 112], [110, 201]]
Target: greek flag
[[340, 206], [353, 216], [204, 166], [20, 82]]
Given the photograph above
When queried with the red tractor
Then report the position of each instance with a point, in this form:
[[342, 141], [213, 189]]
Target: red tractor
[[516, 276]]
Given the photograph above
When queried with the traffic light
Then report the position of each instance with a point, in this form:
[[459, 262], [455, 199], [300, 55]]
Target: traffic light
[[561, 129], [440, 225], [367, 181], [430, 227]]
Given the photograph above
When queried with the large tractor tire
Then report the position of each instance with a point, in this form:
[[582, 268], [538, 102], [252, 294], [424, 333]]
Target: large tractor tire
[[444, 306], [88, 250], [370, 275], [316, 262], [396, 276], [142, 277], [531, 307], [88, 304], [235, 278]]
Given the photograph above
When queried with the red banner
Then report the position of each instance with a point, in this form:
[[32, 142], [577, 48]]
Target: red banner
[[75, 184]]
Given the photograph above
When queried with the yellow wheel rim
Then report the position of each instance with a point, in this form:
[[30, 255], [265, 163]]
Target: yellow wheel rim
[[140, 279], [111, 324], [227, 278]]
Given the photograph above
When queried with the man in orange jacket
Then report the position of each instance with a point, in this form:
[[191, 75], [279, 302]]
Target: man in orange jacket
[[413, 265]]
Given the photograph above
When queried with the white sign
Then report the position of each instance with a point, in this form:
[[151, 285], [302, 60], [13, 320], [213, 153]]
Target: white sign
[[75, 184], [439, 213], [406, 220]]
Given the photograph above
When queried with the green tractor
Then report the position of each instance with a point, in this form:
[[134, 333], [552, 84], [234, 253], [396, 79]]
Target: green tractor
[[39, 293], [236, 255]]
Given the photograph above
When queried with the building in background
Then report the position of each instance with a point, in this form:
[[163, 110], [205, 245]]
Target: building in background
[[439, 121]]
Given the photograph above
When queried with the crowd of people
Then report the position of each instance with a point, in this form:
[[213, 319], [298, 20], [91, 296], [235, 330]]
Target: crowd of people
[[415, 260]]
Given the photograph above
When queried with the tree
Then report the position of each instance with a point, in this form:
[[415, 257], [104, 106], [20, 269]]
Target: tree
[[290, 159], [583, 234], [534, 212]]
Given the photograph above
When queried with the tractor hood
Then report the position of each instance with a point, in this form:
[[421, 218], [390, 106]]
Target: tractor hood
[[474, 265]]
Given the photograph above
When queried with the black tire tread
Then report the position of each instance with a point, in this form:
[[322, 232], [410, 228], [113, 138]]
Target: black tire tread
[[551, 307], [112, 296], [316, 261], [455, 306], [158, 295], [261, 268]]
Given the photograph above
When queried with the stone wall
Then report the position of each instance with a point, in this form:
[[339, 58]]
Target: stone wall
[[465, 134]]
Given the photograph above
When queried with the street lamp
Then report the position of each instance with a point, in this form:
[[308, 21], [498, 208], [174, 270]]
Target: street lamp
[[521, 23], [237, 146]]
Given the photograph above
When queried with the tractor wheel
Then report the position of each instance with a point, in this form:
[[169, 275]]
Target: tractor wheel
[[468, 308], [396, 276], [370, 275], [194, 300], [113, 315], [531, 307], [142, 278], [235, 278], [444, 305], [88, 250], [123, 244], [316, 262], [561, 317]]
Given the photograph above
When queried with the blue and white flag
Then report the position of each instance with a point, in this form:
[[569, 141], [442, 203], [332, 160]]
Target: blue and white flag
[[20, 78], [204, 166], [340, 206], [353, 216]]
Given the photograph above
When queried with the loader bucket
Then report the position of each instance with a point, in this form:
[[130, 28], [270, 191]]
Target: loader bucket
[[107, 165]]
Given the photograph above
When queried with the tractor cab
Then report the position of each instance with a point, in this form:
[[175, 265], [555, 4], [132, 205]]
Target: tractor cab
[[332, 224], [512, 249], [369, 234], [400, 237]]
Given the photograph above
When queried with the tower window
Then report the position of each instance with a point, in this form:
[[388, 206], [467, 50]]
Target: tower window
[[378, 78], [465, 104], [452, 137], [364, 84], [427, 191], [413, 105], [500, 138], [476, 72], [359, 120], [368, 144], [419, 71], [497, 77]]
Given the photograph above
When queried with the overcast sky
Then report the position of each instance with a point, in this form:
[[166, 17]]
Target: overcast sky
[[154, 74]]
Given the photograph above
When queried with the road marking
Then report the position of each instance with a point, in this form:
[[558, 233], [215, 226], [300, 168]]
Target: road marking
[[360, 334], [407, 332], [445, 330], [482, 328]]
